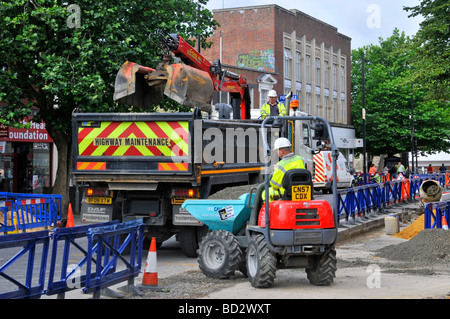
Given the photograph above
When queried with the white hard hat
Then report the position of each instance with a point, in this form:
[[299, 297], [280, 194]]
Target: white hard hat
[[281, 142], [273, 93]]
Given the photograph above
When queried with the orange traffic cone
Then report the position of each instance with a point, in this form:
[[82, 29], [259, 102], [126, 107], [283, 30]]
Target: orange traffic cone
[[70, 222], [444, 223], [150, 279]]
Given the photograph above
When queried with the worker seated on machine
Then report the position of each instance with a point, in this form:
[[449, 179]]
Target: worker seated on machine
[[288, 161]]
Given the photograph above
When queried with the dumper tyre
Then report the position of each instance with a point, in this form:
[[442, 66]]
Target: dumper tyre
[[219, 254], [261, 263], [243, 264], [322, 268]]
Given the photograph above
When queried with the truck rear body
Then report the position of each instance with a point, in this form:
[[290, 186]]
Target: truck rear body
[[144, 165]]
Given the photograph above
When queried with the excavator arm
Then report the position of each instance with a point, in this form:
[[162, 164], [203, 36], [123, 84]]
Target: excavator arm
[[191, 83]]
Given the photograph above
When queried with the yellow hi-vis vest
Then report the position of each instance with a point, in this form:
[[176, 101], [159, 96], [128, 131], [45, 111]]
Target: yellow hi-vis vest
[[265, 110], [290, 161]]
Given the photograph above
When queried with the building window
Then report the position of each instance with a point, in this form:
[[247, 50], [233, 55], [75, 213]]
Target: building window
[[264, 96], [308, 103], [318, 79], [325, 74], [317, 104], [334, 114], [342, 79], [298, 70], [334, 76], [343, 119], [308, 69], [287, 63]]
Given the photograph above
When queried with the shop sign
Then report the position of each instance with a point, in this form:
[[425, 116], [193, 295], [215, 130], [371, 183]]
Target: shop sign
[[3, 130], [36, 133]]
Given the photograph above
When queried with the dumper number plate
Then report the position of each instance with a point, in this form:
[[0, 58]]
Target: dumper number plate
[[301, 193], [99, 200]]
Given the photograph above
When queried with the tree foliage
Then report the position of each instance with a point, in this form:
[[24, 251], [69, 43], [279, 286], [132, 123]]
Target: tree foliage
[[48, 63], [432, 43], [388, 92]]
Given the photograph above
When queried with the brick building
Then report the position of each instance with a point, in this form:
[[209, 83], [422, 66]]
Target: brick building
[[286, 50]]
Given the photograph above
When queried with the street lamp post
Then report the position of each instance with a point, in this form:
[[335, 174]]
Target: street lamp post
[[364, 120], [412, 127]]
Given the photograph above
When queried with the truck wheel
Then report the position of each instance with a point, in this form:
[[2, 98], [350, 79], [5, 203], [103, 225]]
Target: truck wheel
[[219, 254], [261, 263], [322, 268], [188, 239]]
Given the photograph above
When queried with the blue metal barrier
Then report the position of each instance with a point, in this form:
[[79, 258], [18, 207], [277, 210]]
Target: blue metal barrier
[[434, 213], [358, 201], [105, 246], [69, 279], [28, 242], [5, 226], [105, 273], [347, 204], [30, 210], [415, 184], [366, 198]]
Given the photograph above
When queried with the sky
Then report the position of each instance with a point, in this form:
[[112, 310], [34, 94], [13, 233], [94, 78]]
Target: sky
[[365, 21]]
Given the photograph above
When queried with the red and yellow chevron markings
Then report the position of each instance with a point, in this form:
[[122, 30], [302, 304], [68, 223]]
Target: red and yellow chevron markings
[[135, 139], [173, 166], [94, 166], [320, 169]]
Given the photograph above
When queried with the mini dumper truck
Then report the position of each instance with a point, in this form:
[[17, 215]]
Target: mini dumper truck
[[259, 237]]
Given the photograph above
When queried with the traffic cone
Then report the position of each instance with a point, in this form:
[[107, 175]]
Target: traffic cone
[[150, 279], [70, 222], [444, 223]]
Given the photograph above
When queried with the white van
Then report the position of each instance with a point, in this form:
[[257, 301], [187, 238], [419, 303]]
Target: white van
[[323, 173]]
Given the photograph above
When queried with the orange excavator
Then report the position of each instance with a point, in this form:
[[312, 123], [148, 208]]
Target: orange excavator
[[191, 83]]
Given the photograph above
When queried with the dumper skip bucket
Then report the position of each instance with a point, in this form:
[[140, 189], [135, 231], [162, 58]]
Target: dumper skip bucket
[[131, 88], [189, 86], [141, 86], [229, 215]]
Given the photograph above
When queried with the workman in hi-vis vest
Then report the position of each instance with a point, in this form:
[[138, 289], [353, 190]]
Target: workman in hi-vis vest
[[288, 161], [273, 107]]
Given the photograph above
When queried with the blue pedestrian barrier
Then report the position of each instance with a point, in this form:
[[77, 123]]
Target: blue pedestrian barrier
[[360, 201], [434, 213], [25, 286], [105, 249], [5, 225], [27, 211], [103, 262], [70, 277]]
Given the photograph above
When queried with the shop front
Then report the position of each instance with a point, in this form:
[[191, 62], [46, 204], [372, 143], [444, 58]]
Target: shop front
[[25, 159]]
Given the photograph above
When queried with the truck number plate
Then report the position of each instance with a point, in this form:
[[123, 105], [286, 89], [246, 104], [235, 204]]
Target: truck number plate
[[99, 200], [301, 193]]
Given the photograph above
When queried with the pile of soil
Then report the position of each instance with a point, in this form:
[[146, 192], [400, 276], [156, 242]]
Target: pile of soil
[[412, 230], [429, 246], [231, 193]]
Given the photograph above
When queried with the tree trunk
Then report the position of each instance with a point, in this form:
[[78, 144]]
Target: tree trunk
[[61, 186]]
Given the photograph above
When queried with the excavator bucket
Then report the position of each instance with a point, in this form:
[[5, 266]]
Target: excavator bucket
[[131, 88], [142, 86], [189, 86]]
